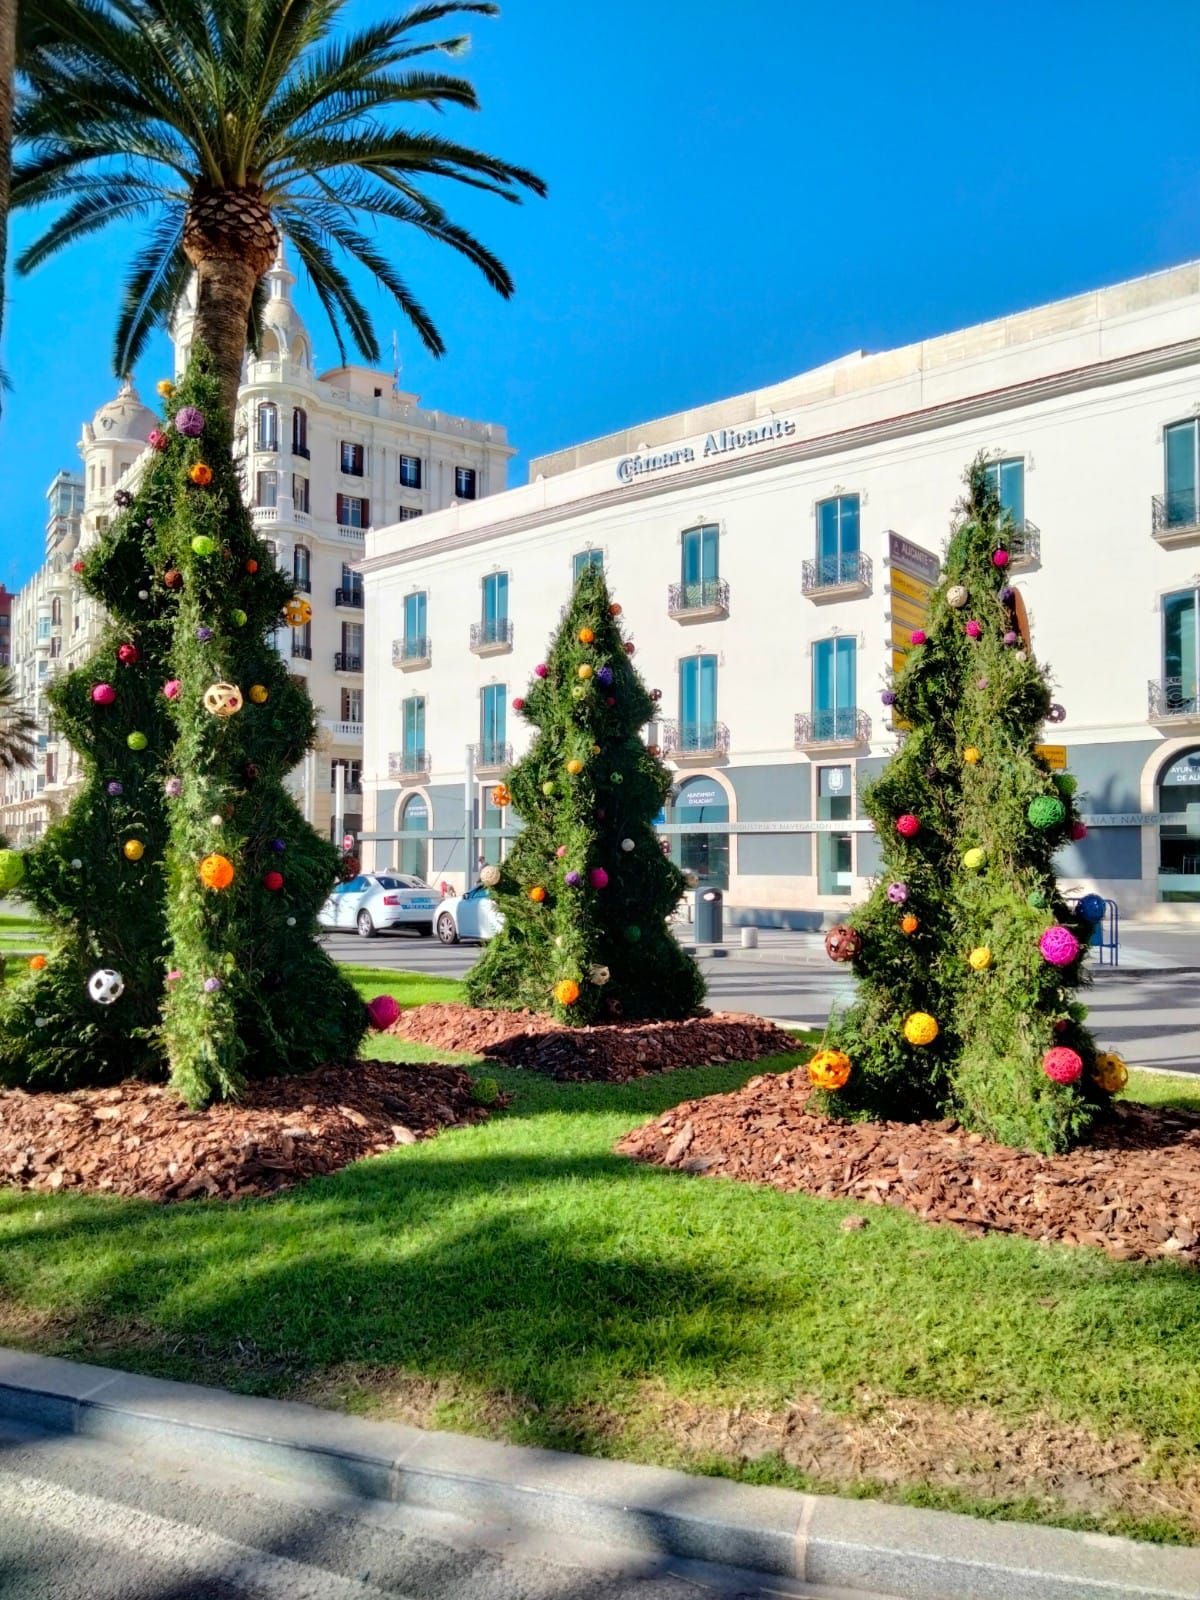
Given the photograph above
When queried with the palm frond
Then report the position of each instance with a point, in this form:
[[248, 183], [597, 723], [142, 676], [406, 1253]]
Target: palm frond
[[152, 291]]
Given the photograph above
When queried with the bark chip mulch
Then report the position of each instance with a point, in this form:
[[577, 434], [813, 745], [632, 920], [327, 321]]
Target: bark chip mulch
[[138, 1139], [608, 1053], [1134, 1191]]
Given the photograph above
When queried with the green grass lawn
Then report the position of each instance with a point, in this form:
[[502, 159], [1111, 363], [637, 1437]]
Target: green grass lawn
[[519, 1279]]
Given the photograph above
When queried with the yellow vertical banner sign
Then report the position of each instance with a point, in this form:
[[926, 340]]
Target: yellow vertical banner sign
[[912, 574]]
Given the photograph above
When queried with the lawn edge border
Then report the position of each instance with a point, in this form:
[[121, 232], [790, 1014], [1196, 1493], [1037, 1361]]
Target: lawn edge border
[[866, 1545]]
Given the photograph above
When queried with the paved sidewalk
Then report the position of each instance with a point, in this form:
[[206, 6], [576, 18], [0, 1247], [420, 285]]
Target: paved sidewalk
[[863, 1548]]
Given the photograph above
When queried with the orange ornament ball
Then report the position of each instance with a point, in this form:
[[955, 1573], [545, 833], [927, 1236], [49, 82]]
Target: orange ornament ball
[[201, 474], [216, 872], [909, 923], [575, 767], [586, 636], [36, 963], [252, 565], [537, 894], [566, 991]]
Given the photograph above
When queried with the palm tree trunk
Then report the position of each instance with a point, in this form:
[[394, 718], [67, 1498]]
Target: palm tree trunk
[[8, 61], [230, 238]]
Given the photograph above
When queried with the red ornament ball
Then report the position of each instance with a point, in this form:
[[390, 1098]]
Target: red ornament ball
[[383, 1011], [128, 654], [273, 881], [908, 826], [1061, 1064], [1000, 558], [918, 636], [973, 629], [104, 694], [629, 647], [1078, 830], [77, 566], [518, 704], [842, 943], [252, 565]]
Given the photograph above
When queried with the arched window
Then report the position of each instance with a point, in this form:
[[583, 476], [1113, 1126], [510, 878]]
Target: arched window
[[55, 611], [299, 353], [267, 432], [705, 854], [300, 432], [1178, 845], [302, 569], [414, 853]]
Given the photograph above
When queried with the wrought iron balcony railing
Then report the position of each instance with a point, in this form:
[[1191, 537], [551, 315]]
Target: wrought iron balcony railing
[[1178, 508], [302, 585], [408, 764], [848, 571], [1024, 544], [708, 595], [348, 597], [342, 662], [1174, 698], [301, 652], [492, 757], [846, 725], [495, 633], [411, 651], [694, 739]]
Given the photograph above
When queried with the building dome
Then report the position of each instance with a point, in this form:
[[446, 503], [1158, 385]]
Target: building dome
[[124, 419], [284, 333]]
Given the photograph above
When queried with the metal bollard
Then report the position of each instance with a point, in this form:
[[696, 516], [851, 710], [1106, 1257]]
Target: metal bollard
[[749, 938]]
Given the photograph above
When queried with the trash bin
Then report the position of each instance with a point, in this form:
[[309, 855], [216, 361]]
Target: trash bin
[[709, 904]]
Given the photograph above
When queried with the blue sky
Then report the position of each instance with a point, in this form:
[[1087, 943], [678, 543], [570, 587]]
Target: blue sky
[[738, 192]]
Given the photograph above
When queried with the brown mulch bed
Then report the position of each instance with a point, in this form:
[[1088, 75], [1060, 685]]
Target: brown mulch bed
[[1134, 1191], [608, 1053], [137, 1139]]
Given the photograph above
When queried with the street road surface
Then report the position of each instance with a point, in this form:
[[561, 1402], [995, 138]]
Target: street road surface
[[81, 1520]]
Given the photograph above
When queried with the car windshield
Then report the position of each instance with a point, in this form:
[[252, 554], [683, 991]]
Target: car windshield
[[400, 883]]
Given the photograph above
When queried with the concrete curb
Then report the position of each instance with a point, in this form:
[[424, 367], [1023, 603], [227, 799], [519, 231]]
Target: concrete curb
[[854, 1544]]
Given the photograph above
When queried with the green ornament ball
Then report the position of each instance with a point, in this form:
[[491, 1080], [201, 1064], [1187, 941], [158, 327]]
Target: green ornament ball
[[137, 741], [1065, 784], [12, 869], [547, 789], [1037, 899], [633, 933], [617, 777], [485, 1091], [202, 545], [1047, 811], [238, 617], [974, 858], [578, 692]]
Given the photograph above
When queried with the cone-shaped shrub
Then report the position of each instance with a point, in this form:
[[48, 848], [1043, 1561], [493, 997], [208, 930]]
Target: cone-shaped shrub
[[586, 889], [967, 924]]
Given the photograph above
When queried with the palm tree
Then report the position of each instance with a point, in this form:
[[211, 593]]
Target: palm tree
[[229, 122], [17, 727]]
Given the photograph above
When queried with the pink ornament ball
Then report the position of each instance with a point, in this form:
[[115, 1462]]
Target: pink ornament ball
[[540, 670], [1078, 831], [1000, 558], [1059, 946], [1010, 638], [518, 704], [128, 654], [973, 629], [907, 826], [157, 439], [561, 851], [171, 688], [598, 878], [1062, 1064], [919, 636], [383, 1011], [104, 694], [174, 975]]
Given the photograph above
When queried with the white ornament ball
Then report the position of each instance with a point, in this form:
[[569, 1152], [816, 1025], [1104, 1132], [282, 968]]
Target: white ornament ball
[[76, 864], [216, 819], [40, 1022], [291, 922], [490, 876], [106, 986], [627, 844], [143, 594], [599, 975], [956, 596]]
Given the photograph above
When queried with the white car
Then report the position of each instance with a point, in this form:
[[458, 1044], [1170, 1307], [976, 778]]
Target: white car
[[473, 916], [375, 902]]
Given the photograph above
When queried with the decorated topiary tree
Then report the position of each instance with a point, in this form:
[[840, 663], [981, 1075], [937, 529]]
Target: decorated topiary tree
[[968, 956], [586, 889], [184, 883]]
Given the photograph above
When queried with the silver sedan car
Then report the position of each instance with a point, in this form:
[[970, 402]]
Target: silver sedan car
[[376, 902]]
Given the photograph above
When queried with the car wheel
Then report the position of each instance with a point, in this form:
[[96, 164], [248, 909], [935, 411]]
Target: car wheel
[[446, 931], [365, 926]]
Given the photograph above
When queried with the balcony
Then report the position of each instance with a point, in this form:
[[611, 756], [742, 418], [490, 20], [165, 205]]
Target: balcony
[[342, 730], [689, 741], [301, 652], [1174, 703], [261, 514], [1024, 547], [351, 535], [705, 601], [1175, 518], [410, 654], [842, 729], [348, 597], [491, 638], [492, 760], [408, 764], [344, 662], [845, 577]]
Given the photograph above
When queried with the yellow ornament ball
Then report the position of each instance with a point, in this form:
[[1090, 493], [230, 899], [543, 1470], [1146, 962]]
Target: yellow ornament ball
[[259, 693], [974, 858], [575, 767], [829, 1069], [980, 958], [920, 1028], [133, 849], [165, 387], [566, 991], [1110, 1072], [585, 671], [971, 755]]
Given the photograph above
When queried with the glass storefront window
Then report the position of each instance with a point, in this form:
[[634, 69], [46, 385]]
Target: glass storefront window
[[414, 853], [1179, 831], [835, 851], [705, 854]]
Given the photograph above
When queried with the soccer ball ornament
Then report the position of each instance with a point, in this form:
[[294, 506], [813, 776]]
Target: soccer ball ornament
[[920, 1028], [222, 699], [956, 596], [106, 986], [842, 943], [296, 612], [897, 893], [1110, 1072], [829, 1069]]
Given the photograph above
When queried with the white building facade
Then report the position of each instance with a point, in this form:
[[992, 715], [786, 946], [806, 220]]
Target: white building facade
[[769, 551], [322, 457]]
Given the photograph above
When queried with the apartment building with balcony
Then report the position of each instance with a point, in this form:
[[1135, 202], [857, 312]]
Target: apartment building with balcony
[[772, 551], [321, 456]]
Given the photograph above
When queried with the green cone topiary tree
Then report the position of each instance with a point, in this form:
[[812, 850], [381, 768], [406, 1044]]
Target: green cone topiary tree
[[968, 957], [586, 889]]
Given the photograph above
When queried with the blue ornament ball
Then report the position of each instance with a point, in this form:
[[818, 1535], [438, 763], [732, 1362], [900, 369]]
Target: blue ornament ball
[[279, 845], [1091, 908]]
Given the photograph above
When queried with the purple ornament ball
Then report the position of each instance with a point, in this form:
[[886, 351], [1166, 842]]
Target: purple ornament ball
[[888, 697], [1007, 595], [278, 845], [604, 675], [211, 985], [189, 421], [897, 893], [1010, 637], [203, 634], [572, 880], [115, 788]]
